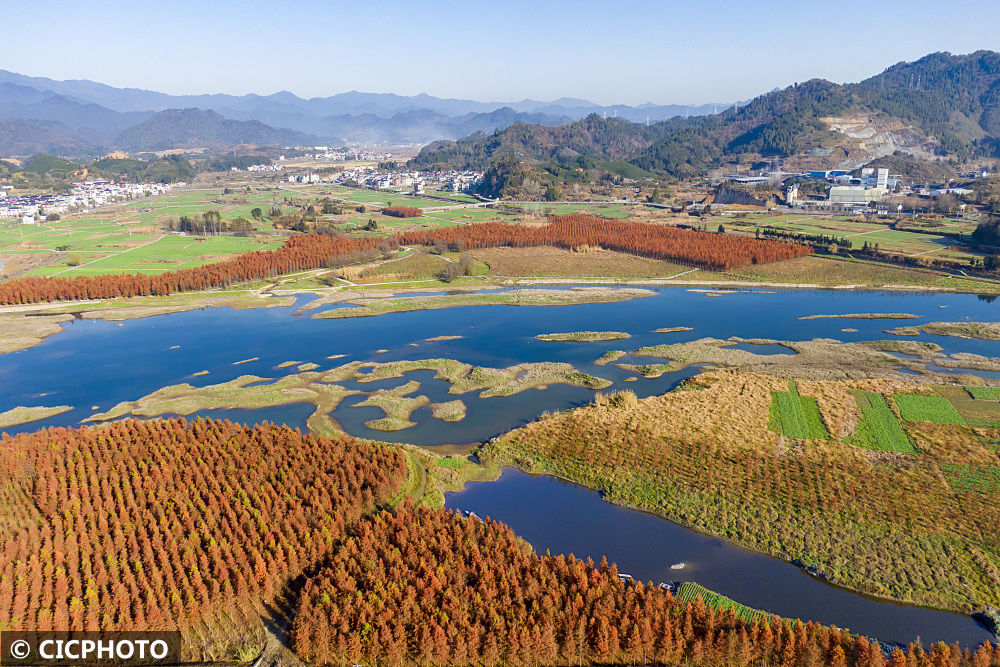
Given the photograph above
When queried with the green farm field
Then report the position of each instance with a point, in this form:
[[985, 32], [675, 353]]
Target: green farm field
[[894, 240], [879, 429], [158, 254], [377, 198], [936, 409], [156, 211], [796, 416], [130, 238]]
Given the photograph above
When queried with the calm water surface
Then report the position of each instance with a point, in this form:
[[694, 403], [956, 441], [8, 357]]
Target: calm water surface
[[98, 364]]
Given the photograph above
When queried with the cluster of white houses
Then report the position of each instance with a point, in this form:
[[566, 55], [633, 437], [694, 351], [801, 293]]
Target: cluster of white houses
[[347, 154], [371, 177], [261, 167], [86, 195]]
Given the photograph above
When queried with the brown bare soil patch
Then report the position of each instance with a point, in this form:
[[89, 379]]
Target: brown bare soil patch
[[14, 265]]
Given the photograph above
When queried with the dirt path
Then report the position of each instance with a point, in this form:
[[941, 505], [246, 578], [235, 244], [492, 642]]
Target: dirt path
[[277, 648]]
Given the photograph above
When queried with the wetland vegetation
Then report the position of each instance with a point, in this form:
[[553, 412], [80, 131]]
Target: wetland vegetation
[[26, 415], [583, 336], [320, 389], [826, 472], [980, 330], [365, 307]]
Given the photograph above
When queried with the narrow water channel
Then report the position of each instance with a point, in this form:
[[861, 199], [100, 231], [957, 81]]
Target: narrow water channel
[[566, 518]]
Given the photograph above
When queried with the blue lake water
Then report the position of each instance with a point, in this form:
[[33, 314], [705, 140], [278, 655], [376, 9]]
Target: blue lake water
[[96, 363]]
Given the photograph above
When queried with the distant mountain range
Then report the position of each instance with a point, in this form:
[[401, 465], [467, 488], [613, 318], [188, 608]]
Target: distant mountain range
[[79, 116], [940, 107]]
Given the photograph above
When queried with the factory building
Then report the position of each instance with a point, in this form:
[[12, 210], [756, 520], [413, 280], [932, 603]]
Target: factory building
[[862, 194]]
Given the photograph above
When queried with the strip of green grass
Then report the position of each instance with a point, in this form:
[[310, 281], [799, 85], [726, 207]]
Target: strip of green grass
[[984, 393], [879, 430], [795, 416], [919, 408]]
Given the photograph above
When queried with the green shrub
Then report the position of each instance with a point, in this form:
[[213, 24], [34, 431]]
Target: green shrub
[[689, 591], [980, 479]]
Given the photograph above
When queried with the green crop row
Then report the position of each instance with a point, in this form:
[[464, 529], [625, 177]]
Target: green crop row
[[795, 416], [879, 429], [984, 393], [920, 408]]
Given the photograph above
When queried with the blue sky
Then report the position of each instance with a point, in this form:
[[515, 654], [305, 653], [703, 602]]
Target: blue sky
[[617, 51]]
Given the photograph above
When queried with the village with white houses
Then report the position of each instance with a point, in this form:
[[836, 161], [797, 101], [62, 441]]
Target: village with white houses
[[345, 154], [30, 209], [369, 176]]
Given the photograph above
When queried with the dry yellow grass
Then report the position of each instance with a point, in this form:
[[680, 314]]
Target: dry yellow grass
[[732, 409], [950, 442], [546, 261]]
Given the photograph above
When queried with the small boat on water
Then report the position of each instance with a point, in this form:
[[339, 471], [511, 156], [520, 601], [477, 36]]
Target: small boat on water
[[677, 566]]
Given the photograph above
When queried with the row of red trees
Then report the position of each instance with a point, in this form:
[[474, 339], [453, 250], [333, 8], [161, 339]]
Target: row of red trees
[[709, 251], [402, 211], [313, 251], [430, 588], [153, 525], [300, 253]]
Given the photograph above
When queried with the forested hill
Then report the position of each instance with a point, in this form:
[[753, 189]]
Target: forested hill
[[186, 128], [941, 104], [593, 137]]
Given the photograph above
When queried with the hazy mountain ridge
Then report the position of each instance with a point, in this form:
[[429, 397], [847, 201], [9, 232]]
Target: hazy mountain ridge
[[416, 126], [96, 114], [28, 137], [383, 105]]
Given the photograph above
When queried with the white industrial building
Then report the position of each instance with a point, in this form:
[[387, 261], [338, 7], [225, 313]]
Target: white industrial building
[[861, 194]]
